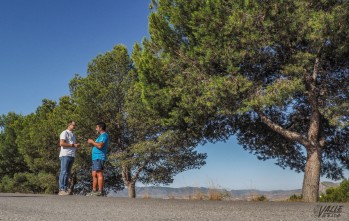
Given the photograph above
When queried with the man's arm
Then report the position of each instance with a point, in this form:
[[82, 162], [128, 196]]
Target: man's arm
[[62, 143], [99, 145]]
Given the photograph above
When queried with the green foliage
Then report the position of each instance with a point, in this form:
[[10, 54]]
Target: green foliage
[[140, 145], [337, 194], [38, 140], [30, 146], [11, 161], [215, 65], [160, 151], [47, 182], [295, 198], [273, 73], [6, 184], [29, 183], [100, 97]]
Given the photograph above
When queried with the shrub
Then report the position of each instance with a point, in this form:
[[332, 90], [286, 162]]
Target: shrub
[[47, 183], [6, 184], [29, 183], [337, 194], [296, 198], [260, 198]]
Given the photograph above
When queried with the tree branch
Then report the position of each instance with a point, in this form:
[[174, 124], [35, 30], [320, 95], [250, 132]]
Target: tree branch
[[294, 136], [140, 168]]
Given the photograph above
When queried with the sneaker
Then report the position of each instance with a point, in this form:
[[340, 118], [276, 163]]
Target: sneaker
[[94, 193], [63, 193]]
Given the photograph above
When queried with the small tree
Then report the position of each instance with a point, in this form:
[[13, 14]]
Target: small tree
[[141, 149], [11, 160], [337, 194], [34, 142], [38, 140], [100, 97]]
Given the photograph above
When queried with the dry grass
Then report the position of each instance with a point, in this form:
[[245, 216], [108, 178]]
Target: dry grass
[[218, 194], [189, 197], [212, 194], [198, 195], [146, 195], [171, 196]]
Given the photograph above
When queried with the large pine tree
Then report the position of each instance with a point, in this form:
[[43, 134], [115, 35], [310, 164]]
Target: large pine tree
[[274, 73]]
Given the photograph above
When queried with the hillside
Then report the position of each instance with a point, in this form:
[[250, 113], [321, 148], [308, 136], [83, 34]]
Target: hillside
[[197, 192]]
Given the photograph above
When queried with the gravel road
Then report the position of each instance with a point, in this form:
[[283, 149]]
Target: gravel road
[[52, 207]]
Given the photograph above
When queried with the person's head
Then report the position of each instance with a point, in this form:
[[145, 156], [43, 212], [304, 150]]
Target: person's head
[[100, 127], [71, 125]]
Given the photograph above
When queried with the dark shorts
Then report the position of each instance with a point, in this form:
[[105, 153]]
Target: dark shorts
[[97, 165]]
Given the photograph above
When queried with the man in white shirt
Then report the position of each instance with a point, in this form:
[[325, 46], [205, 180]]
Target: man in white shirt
[[67, 155]]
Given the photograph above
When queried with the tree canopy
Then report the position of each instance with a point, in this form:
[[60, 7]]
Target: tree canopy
[[141, 149], [275, 74]]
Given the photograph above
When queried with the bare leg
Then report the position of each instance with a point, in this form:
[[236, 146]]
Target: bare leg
[[94, 180], [100, 180]]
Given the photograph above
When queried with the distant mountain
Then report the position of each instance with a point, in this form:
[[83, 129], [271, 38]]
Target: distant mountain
[[162, 192], [325, 185], [203, 192], [273, 195]]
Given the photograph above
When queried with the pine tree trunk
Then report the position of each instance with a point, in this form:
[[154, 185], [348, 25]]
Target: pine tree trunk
[[131, 190], [129, 182], [312, 176]]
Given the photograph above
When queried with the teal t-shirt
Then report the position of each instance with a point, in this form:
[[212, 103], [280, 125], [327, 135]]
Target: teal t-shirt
[[101, 154]]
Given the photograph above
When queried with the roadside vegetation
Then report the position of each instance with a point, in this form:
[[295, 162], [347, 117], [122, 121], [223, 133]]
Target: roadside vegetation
[[260, 198], [337, 194], [295, 198]]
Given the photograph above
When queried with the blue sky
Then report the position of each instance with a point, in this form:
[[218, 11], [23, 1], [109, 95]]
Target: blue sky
[[44, 43]]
